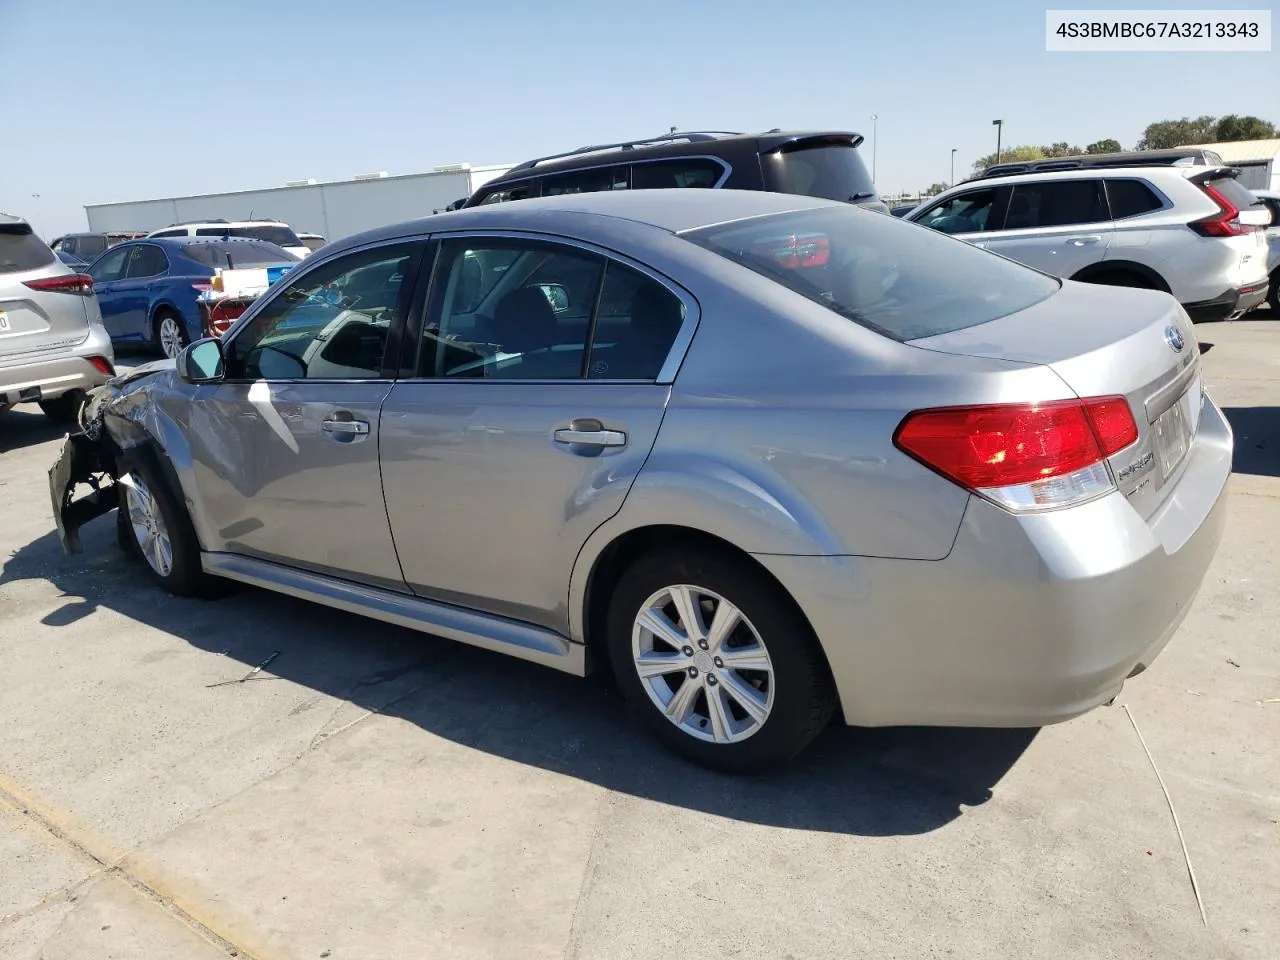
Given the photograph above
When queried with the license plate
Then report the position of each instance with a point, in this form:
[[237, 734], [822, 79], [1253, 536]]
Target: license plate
[[1173, 430], [4, 322]]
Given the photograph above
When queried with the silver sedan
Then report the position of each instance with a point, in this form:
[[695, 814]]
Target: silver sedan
[[765, 458]]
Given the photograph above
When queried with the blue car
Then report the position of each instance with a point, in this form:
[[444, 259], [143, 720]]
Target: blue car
[[147, 289]]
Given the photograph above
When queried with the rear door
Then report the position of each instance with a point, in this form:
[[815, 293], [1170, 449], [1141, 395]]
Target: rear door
[[1058, 226], [541, 380], [33, 319], [107, 271]]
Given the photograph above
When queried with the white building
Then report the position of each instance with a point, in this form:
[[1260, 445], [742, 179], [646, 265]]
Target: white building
[[333, 210], [1258, 160]]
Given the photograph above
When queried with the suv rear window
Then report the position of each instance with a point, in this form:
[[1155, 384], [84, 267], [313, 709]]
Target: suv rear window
[[892, 277], [20, 249], [1235, 193], [824, 168], [247, 254], [89, 247]]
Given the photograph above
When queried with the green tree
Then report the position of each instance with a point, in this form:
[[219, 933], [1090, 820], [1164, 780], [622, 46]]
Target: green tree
[[1166, 134], [1104, 146], [1061, 149], [1232, 127], [1010, 155], [935, 189]]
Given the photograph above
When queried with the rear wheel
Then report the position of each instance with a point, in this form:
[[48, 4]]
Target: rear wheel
[[171, 333], [717, 661], [63, 409]]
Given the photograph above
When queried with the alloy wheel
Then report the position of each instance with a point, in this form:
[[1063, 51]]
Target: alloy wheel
[[170, 336], [148, 525]]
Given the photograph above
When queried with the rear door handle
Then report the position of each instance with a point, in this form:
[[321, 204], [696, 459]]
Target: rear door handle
[[590, 433], [346, 431], [1083, 241]]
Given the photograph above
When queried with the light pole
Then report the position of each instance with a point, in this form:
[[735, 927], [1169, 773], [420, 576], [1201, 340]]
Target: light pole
[[952, 182], [999, 125], [875, 142]]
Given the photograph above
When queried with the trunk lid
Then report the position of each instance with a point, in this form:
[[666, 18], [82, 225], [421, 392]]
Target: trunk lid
[[33, 321], [1105, 341]]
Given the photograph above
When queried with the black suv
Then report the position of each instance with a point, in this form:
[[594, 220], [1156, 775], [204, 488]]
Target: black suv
[[88, 246], [816, 164]]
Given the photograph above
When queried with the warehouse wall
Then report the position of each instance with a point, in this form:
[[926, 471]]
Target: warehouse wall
[[333, 210]]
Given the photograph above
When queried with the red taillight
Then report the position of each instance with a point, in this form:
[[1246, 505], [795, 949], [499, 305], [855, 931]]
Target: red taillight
[[1224, 223], [1052, 450], [202, 287], [797, 250], [77, 283], [103, 365]]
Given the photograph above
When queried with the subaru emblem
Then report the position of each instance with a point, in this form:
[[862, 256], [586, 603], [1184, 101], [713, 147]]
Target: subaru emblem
[[1173, 337]]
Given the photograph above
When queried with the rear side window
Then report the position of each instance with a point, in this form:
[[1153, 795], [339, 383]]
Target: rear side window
[[680, 173], [586, 181], [237, 254], [1129, 198], [519, 191], [1055, 203], [146, 261], [20, 249], [884, 274], [829, 169]]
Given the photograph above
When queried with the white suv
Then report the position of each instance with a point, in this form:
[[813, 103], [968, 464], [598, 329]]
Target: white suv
[[272, 231], [1192, 231]]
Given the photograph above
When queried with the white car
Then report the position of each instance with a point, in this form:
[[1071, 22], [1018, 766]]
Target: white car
[[1192, 231], [272, 231]]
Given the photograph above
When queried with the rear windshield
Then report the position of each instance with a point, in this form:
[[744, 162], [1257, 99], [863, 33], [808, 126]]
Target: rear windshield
[[1236, 193], [283, 236], [831, 170], [20, 249], [898, 279], [90, 247], [249, 253]]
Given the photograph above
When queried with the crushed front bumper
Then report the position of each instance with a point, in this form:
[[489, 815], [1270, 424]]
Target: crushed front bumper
[[82, 461]]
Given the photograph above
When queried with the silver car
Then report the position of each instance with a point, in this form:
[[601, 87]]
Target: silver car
[[53, 346], [765, 457]]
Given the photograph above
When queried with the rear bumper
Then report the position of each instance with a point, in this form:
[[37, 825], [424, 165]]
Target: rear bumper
[[44, 376], [1028, 620], [1229, 305]]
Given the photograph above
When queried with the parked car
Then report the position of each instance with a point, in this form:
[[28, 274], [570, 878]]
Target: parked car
[[817, 164], [53, 347], [764, 457], [72, 261], [87, 247], [1176, 156], [147, 289], [1192, 231], [269, 231], [1271, 200], [312, 241]]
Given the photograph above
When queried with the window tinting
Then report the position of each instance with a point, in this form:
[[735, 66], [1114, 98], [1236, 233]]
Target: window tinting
[[146, 261], [636, 324], [822, 169], [879, 272], [329, 324], [963, 213], [20, 249], [586, 181], [528, 321], [1055, 203], [111, 266], [1128, 198], [235, 253], [682, 172]]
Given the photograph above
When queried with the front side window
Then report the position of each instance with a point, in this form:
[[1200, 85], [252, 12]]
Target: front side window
[[595, 180], [146, 261], [111, 266], [680, 173], [1056, 203], [967, 212], [879, 272], [332, 323]]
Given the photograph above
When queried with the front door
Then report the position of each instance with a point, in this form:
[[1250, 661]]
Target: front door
[[1058, 226], [966, 215], [286, 449], [540, 390], [107, 272]]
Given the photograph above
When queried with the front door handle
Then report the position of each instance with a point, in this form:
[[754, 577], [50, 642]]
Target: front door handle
[[590, 433], [1083, 241], [346, 431]]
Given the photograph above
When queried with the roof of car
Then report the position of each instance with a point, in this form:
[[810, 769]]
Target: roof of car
[[671, 210], [1084, 173]]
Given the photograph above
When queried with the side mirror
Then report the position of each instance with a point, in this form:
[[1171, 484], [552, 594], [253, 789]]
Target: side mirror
[[556, 295], [202, 362]]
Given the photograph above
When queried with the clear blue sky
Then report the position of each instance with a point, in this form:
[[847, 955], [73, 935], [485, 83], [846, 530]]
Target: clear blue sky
[[133, 99]]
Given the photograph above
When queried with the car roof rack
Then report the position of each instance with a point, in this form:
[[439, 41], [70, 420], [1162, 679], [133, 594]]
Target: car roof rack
[[695, 136], [1176, 157]]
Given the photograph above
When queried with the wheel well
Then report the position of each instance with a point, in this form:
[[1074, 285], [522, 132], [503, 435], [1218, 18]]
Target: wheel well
[[1095, 273], [628, 548]]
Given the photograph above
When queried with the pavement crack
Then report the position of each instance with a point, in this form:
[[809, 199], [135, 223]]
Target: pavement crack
[[573, 946]]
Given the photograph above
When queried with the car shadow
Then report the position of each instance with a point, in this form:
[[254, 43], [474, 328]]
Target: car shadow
[[1257, 438], [872, 782], [25, 426]]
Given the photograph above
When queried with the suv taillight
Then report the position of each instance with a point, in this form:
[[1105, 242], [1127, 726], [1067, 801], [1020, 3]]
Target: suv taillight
[[1224, 223], [77, 283], [1023, 456]]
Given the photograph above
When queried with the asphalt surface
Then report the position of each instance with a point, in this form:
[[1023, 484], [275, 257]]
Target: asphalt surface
[[377, 793]]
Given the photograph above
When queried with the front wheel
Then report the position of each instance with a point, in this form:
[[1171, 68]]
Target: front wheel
[[156, 527], [717, 660], [171, 333]]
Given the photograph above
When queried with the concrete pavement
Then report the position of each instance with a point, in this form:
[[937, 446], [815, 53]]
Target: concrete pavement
[[377, 793]]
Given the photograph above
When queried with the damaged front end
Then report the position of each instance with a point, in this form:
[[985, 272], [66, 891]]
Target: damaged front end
[[89, 458]]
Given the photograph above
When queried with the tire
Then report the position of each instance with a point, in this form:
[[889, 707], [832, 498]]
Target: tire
[[792, 701], [63, 409], [154, 518], [170, 333]]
